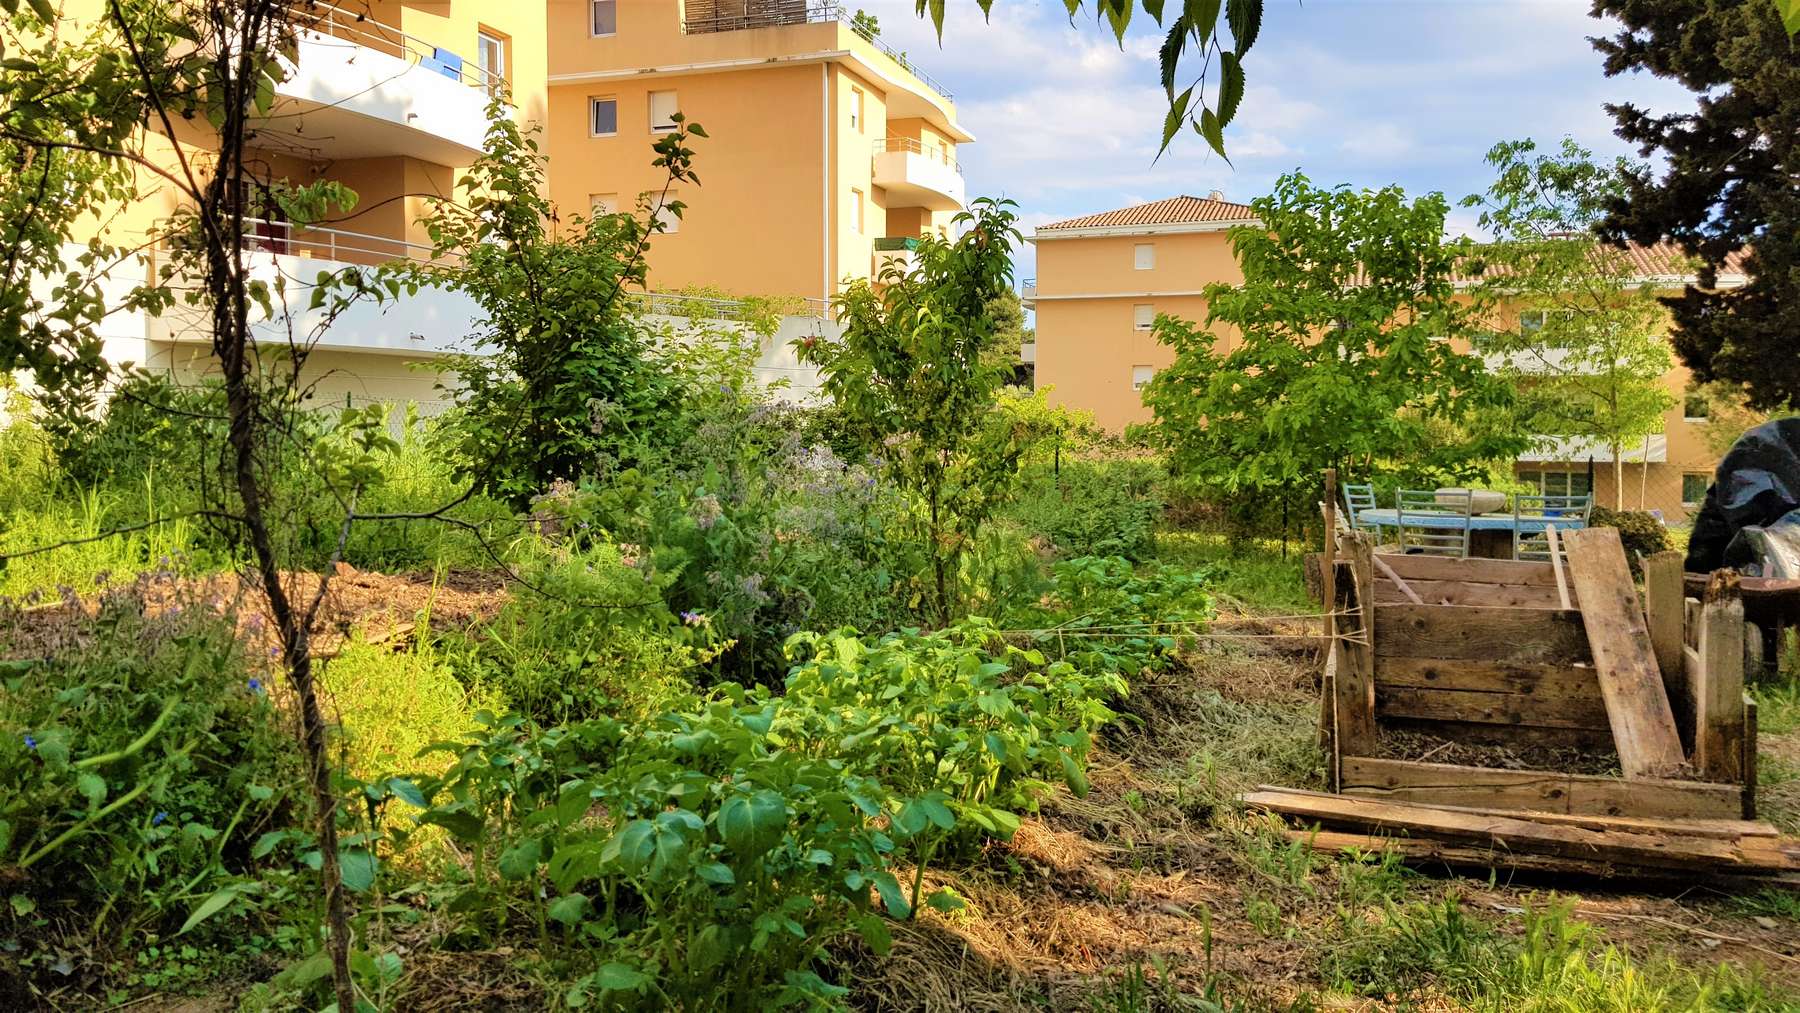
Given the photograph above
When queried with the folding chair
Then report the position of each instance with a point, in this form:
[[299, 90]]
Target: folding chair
[[1536, 510], [1358, 498], [1434, 523]]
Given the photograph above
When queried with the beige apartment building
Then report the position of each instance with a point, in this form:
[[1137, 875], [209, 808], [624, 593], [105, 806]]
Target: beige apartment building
[[389, 98], [1103, 278], [827, 152]]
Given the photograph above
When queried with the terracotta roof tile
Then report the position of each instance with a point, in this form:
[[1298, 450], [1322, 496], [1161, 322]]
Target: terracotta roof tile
[[1181, 210]]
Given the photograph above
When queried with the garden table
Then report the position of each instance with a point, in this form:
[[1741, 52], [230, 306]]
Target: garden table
[[1490, 535]]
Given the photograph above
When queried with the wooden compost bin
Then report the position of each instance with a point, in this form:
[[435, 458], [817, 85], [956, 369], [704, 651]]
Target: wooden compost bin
[[1488, 654]]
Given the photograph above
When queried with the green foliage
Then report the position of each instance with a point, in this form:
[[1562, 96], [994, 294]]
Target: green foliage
[[913, 377], [1591, 362], [1093, 507], [1346, 301], [1641, 533], [137, 767], [1712, 194], [563, 375]]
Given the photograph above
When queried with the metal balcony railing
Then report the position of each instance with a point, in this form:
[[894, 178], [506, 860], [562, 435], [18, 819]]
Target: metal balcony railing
[[896, 244], [703, 16], [937, 154], [365, 31], [339, 245]]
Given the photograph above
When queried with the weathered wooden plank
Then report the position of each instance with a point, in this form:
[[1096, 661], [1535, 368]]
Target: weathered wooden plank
[[1463, 592], [1354, 682], [1665, 615], [1551, 636], [1719, 691], [1511, 709], [1475, 733], [1548, 791], [1518, 834], [1749, 757], [1478, 571], [1636, 704], [1471, 855], [1717, 829], [1550, 682]]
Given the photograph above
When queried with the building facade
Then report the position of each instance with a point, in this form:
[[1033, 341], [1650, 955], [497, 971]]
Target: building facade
[[387, 97], [825, 151], [1102, 279]]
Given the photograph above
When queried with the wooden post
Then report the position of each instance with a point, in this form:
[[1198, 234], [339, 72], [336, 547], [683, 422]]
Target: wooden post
[[1637, 705], [1755, 665], [1665, 612], [1719, 685], [1354, 698], [1749, 757], [1328, 584]]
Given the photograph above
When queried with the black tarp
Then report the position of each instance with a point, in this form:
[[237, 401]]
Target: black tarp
[[1750, 520]]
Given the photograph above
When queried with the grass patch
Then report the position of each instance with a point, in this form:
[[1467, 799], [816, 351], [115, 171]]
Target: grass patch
[[1255, 573]]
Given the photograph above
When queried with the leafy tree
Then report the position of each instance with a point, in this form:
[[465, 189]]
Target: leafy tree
[[1196, 35], [914, 378], [865, 24], [1332, 353], [1582, 338], [1010, 332], [562, 372], [1732, 177]]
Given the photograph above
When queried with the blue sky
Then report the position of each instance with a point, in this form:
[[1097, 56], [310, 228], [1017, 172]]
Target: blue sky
[[1365, 92]]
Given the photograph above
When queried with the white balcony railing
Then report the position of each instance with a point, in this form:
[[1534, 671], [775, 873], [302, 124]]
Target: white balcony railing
[[371, 34], [915, 175]]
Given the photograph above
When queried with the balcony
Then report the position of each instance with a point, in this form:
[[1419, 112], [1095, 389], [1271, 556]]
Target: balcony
[[1028, 292], [681, 318], [362, 89], [917, 177], [425, 324], [702, 17], [895, 253]]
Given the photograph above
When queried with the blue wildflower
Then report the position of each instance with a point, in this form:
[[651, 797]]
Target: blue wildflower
[[256, 685], [159, 819], [30, 743]]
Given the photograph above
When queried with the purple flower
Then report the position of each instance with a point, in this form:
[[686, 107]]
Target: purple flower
[[30, 743], [274, 652], [159, 819], [692, 618]]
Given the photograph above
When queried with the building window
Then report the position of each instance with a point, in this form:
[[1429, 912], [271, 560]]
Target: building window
[[856, 210], [1143, 256], [1143, 316], [1557, 483], [490, 56], [1693, 488], [1694, 408], [665, 210], [663, 108], [1141, 376], [605, 17], [602, 204], [856, 109], [603, 117]]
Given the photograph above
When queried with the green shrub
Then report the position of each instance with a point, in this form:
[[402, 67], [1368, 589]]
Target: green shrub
[[1641, 533], [390, 704], [1093, 508], [137, 768]]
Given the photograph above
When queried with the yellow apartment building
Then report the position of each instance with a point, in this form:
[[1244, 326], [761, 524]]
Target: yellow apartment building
[[826, 151], [389, 98], [1103, 278]]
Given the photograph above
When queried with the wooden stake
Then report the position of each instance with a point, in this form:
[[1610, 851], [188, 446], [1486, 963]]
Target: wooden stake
[[1719, 688], [1637, 705], [1328, 586], [1562, 587], [1354, 694]]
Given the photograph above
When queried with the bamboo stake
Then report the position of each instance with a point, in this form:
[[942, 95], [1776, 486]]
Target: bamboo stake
[[1562, 586]]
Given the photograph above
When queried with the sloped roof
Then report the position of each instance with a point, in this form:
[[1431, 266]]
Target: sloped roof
[[1182, 210], [1646, 262]]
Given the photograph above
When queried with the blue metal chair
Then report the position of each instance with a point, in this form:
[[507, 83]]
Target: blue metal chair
[[1535, 510], [1358, 498], [1433, 522]]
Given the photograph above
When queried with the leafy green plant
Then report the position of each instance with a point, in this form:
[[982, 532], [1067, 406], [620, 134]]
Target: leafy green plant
[[1641, 533]]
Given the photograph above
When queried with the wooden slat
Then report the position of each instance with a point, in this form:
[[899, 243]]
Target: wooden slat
[[1470, 855], [1716, 829], [1477, 571], [1652, 849], [1666, 616], [1749, 757], [1488, 708], [1719, 692], [1463, 592], [1548, 791], [1636, 704], [1475, 733], [1354, 680], [1550, 636], [1550, 682]]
